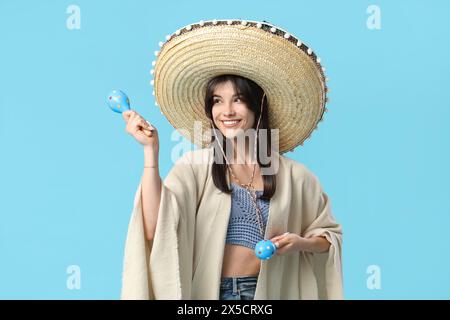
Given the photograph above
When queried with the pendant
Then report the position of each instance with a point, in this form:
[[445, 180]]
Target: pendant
[[265, 249]]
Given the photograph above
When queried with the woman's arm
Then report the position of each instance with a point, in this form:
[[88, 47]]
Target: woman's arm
[[147, 136], [151, 191], [291, 242]]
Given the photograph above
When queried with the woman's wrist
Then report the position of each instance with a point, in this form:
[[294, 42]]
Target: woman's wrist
[[303, 244], [316, 244], [150, 158]]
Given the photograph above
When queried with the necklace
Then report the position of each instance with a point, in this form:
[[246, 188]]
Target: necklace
[[264, 249]]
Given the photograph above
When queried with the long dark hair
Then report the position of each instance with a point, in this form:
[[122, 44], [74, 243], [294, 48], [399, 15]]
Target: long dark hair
[[252, 94]]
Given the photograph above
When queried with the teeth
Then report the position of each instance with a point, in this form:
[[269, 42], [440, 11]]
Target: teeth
[[230, 122]]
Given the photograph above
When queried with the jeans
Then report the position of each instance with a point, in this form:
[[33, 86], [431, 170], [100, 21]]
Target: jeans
[[239, 288]]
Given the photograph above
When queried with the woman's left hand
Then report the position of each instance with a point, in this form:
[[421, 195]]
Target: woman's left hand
[[289, 242]]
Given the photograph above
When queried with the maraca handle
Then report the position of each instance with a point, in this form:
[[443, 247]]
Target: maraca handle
[[148, 132]]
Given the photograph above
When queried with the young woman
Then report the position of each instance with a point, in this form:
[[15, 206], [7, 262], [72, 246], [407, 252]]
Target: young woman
[[194, 236]]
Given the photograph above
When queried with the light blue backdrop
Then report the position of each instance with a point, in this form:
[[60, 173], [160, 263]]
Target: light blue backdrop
[[68, 170]]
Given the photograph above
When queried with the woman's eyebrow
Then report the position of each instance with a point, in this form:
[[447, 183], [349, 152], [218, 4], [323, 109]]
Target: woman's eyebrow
[[234, 95]]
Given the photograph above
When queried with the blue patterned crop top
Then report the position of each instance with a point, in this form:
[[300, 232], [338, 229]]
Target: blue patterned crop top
[[243, 228]]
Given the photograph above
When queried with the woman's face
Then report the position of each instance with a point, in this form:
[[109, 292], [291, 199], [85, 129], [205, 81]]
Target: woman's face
[[229, 112]]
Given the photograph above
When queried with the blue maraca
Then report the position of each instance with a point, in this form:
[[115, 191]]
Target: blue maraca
[[119, 102], [265, 249]]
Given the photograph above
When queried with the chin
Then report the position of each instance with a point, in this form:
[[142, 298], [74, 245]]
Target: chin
[[232, 133]]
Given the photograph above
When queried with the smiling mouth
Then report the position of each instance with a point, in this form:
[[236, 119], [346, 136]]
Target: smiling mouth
[[230, 123]]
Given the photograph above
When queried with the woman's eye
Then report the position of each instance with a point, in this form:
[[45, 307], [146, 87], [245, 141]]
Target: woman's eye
[[215, 101]]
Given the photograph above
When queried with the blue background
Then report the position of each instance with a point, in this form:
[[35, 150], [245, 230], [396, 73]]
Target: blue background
[[69, 171]]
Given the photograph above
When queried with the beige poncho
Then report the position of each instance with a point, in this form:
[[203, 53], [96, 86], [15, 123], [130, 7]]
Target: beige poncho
[[184, 260]]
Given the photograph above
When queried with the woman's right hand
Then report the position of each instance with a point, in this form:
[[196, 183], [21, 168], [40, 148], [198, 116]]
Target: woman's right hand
[[144, 133]]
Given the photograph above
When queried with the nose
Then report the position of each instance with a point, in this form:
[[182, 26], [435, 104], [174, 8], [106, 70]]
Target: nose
[[229, 111]]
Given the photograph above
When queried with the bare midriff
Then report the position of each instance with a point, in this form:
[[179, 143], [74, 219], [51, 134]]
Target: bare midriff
[[239, 261]]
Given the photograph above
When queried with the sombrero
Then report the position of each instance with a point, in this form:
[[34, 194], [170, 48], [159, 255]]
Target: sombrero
[[289, 72]]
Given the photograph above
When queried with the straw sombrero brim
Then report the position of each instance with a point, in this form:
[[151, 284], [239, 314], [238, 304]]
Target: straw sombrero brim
[[284, 67]]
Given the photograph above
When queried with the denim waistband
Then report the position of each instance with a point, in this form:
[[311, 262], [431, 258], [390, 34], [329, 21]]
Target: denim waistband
[[240, 279], [238, 286]]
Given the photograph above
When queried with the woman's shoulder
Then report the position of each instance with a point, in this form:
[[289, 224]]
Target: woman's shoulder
[[202, 158]]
